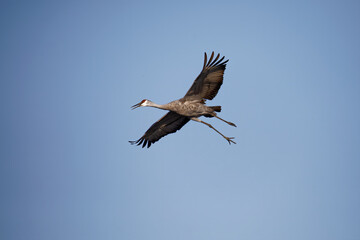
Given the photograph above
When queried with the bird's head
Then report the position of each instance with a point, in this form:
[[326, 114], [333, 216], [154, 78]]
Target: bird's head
[[143, 103]]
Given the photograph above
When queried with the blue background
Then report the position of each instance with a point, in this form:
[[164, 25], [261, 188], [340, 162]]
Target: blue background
[[70, 70]]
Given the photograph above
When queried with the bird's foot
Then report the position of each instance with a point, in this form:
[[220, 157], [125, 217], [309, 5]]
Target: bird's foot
[[232, 124], [229, 140]]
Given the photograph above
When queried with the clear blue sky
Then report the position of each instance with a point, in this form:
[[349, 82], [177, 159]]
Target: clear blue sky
[[70, 70]]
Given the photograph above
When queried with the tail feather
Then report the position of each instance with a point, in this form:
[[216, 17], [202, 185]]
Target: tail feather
[[216, 108]]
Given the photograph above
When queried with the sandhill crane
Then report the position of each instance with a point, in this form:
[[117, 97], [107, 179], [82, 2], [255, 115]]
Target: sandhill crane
[[191, 106]]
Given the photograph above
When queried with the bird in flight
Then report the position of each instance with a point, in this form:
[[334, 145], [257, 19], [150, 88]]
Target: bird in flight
[[191, 106]]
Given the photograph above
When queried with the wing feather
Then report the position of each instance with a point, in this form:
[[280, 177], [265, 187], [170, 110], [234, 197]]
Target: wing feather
[[213, 62], [209, 81], [219, 60], [169, 123], [205, 60]]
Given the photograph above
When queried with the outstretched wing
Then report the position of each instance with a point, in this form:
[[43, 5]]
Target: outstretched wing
[[169, 123], [209, 81]]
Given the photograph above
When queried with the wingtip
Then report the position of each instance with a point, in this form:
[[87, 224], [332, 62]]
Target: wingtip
[[213, 62]]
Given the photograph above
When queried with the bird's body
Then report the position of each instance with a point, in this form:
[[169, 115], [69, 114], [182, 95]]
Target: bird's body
[[191, 106], [184, 107]]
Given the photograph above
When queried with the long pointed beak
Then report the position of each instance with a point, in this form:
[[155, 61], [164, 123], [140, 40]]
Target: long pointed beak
[[135, 106]]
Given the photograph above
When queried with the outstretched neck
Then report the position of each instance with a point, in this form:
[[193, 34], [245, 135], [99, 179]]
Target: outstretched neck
[[155, 105]]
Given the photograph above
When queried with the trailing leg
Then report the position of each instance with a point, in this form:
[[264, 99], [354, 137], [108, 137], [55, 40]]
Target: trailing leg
[[209, 125], [230, 123]]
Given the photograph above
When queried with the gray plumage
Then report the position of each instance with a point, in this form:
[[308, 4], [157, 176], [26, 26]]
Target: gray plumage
[[191, 106]]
